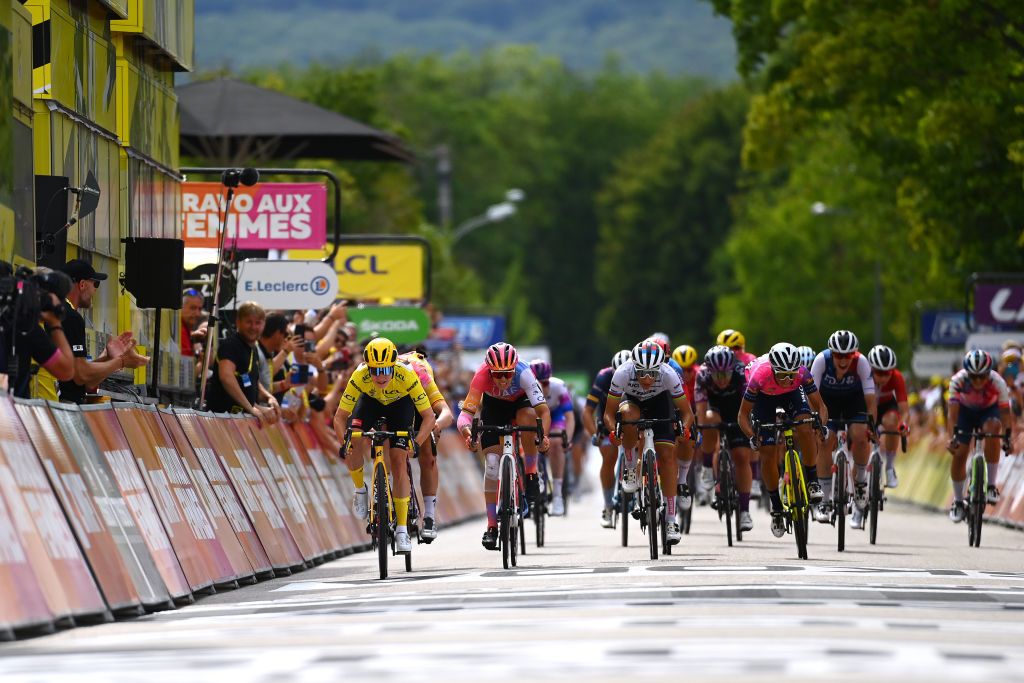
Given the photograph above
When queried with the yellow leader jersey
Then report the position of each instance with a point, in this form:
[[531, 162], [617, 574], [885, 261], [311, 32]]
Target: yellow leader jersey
[[403, 383]]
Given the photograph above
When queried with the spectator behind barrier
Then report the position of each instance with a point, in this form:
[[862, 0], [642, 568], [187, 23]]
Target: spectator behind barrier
[[235, 385], [193, 331], [118, 354], [28, 300]]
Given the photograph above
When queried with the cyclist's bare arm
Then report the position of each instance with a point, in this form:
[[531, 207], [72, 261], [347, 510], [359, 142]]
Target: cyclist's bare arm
[[444, 415], [611, 410], [746, 405], [428, 425], [818, 406], [589, 423], [683, 406]]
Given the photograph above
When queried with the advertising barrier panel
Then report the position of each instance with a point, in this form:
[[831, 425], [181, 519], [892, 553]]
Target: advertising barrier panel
[[94, 538], [57, 561], [24, 605], [352, 529], [330, 524], [312, 500], [116, 451], [231, 503]]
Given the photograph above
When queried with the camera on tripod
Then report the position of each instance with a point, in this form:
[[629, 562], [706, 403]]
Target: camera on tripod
[[25, 294]]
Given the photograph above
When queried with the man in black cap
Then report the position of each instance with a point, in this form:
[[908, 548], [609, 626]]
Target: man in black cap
[[120, 351]]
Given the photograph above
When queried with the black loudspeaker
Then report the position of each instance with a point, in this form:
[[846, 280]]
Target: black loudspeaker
[[51, 216], [153, 271]]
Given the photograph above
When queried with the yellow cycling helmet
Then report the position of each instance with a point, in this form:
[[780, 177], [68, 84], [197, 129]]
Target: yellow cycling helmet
[[685, 355], [380, 353], [732, 338]]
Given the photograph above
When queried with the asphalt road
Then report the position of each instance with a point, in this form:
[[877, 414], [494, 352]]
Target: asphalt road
[[920, 605]]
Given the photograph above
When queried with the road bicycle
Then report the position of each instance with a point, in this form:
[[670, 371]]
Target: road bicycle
[[841, 482], [977, 484], [792, 484], [650, 502], [876, 493], [727, 498], [510, 485]]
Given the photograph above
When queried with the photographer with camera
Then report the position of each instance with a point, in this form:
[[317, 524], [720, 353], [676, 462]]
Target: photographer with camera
[[120, 351], [28, 300]]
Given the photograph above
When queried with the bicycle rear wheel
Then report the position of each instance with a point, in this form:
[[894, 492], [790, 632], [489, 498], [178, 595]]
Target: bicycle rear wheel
[[522, 493], [977, 501], [382, 517], [651, 489], [840, 498], [874, 495], [505, 502], [725, 493]]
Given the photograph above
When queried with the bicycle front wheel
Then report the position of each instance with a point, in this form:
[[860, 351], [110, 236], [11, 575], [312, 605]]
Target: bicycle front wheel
[[874, 496], [382, 517], [840, 498], [798, 504], [977, 501], [651, 493], [505, 511], [538, 522], [725, 493], [624, 515]]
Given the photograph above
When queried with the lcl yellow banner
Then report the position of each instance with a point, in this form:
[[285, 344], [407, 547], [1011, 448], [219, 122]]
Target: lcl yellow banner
[[377, 271]]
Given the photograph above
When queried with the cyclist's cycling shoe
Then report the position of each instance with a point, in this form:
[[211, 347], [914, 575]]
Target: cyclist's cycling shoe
[[860, 496], [557, 506], [429, 532], [684, 497], [755, 489], [608, 518], [359, 504], [992, 494], [778, 525], [490, 539], [746, 521], [707, 478], [814, 492], [403, 545], [532, 489], [822, 513], [891, 481], [958, 511], [857, 518], [630, 484], [672, 534]]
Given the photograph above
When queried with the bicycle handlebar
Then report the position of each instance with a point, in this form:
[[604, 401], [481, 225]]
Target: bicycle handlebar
[[719, 425], [902, 434], [505, 430], [563, 435]]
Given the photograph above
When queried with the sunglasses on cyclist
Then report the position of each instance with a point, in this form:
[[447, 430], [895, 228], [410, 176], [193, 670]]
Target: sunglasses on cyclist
[[977, 378], [881, 373], [648, 374], [842, 356], [383, 372], [786, 374], [503, 374], [721, 376]]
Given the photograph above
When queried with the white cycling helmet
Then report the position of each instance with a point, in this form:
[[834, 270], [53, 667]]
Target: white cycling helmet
[[620, 357], [882, 358], [843, 341], [806, 356], [719, 359], [977, 362], [784, 357], [648, 355]]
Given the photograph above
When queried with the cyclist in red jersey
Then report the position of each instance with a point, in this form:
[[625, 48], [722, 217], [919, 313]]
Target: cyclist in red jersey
[[893, 408]]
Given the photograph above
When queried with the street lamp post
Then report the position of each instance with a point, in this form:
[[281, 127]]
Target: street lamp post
[[494, 214], [823, 209]]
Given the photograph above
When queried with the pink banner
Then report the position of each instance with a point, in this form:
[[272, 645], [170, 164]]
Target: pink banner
[[265, 216]]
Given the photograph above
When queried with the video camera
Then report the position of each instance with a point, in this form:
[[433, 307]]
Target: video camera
[[23, 296]]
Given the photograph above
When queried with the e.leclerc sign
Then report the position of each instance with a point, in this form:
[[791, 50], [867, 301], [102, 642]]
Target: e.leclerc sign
[[287, 285], [400, 324]]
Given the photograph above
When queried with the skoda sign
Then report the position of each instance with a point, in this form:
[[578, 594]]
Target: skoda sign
[[400, 324], [287, 285]]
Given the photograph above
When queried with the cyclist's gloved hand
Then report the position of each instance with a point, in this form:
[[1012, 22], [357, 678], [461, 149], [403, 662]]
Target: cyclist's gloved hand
[[1006, 441], [951, 446]]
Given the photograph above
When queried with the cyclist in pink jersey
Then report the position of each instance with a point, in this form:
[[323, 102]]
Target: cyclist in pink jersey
[[777, 380], [978, 399], [504, 391]]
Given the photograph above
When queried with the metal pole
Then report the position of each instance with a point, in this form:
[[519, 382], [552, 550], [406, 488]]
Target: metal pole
[[156, 356], [212, 328]]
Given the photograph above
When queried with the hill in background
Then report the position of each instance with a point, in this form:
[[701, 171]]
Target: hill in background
[[676, 36]]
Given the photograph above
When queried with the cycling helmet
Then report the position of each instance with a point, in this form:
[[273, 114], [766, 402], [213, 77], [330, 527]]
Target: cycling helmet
[[541, 369], [977, 362], [719, 359], [380, 353], [882, 358], [806, 356], [843, 341], [661, 338], [784, 357], [662, 343], [620, 358], [502, 356], [648, 355], [731, 338], [685, 355]]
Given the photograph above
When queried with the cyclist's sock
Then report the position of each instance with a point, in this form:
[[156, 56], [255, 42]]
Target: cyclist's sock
[[401, 528], [993, 469], [683, 471], [492, 514], [755, 469], [826, 488], [357, 478], [890, 459], [744, 502], [860, 474], [670, 507], [776, 500], [958, 489], [709, 459], [608, 493], [429, 503], [530, 464], [557, 485], [402, 511], [810, 473]]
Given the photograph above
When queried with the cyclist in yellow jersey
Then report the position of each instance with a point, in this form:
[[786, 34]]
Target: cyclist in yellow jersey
[[428, 459], [392, 392]]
